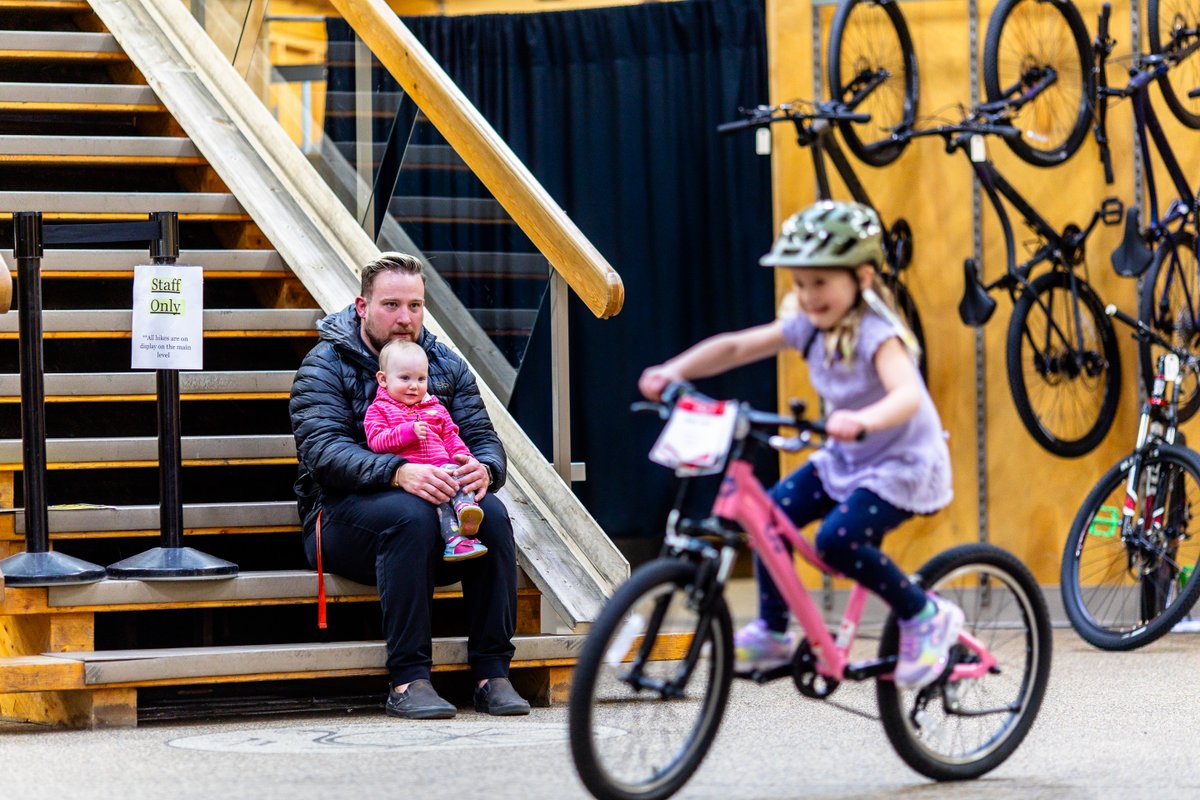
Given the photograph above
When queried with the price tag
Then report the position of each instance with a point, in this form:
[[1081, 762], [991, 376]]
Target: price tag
[[697, 437], [978, 149], [762, 142]]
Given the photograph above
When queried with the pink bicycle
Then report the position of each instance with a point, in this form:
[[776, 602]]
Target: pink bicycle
[[652, 681]]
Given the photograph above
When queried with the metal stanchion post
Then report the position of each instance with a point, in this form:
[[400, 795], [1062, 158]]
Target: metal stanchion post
[[171, 560], [37, 566]]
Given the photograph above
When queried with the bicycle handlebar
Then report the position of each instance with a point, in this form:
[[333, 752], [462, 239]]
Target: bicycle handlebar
[[1143, 331], [768, 115]]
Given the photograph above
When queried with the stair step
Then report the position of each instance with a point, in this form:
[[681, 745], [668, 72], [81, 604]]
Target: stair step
[[196, 517], [246, 588], [59, 46], [186, 664], [142, 451], [124, 205], [115, 386], [522, 266], [78, 97], [120, 263], [480, 210], [110, 150], [222, 322], [46, 6]]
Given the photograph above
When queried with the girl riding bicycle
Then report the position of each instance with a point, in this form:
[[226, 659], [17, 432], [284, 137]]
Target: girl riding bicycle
[[886, 459]]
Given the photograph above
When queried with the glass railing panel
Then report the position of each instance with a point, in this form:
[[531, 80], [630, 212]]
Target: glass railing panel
[[396, 174]]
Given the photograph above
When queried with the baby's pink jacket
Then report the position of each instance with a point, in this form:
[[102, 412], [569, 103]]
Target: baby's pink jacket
[[389, 428]]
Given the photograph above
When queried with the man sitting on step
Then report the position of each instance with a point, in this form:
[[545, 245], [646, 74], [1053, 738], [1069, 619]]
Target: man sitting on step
[[372, 517]]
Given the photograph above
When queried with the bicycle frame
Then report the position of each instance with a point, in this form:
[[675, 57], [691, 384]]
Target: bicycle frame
[[743, 500]]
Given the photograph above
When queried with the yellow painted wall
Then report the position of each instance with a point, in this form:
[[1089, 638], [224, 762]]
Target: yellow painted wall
[[1032, 496]]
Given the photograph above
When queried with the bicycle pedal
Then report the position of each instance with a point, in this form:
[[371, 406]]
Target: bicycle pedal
[[761, 676]]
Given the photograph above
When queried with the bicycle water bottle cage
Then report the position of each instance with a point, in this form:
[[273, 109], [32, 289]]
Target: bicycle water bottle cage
[[976, 306], [1132, 257]]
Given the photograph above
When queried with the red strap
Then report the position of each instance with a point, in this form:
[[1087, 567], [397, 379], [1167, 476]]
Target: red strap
[[320, 578]]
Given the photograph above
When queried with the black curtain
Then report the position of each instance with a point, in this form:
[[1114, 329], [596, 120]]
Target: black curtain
[[614, 111]]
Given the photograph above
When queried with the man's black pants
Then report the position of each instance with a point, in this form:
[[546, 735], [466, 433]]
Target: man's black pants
[[391, 539]]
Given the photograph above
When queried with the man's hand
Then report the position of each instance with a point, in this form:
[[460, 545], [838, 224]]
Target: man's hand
[[472, 476], [427, 482]]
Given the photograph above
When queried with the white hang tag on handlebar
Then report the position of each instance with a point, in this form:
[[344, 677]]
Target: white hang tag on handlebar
[[697, 437], [978, 149], [1170, 367], [762, 142]]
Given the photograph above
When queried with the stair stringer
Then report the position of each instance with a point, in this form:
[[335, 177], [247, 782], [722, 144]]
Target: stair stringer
[[559, 544]]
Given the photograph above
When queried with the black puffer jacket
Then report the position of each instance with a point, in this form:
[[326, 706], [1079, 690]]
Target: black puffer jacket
[[330, 395]]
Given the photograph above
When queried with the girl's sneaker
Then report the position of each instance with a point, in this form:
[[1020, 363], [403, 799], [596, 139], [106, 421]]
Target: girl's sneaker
[[758, 648], [925, 642], [470, 516], [460, 548]]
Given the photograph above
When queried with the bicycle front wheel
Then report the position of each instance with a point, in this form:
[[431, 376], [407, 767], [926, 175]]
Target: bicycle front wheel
[[1175, 29], [1170, 305], [873, 70], [961, 729], [650, 686], [1042, 46], [1127, 580], [1064, 367]]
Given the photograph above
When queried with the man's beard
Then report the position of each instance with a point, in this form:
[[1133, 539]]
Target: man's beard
[[378, 343]]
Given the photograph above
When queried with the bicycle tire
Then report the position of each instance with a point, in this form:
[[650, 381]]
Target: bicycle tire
[[1175, 16], [613, 726], [907, 306], [870, 36], [1004, 609], [1025, 37], [1169, 304], [1082, 396], [1106, 584]]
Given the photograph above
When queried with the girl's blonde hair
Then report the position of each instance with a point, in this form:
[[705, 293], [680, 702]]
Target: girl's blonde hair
[[842, 338]]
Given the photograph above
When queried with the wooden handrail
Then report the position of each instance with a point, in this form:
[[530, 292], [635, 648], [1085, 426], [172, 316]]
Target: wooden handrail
[[488, 156]]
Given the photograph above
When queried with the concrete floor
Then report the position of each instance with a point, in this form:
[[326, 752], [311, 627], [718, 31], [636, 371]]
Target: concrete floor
[[1113, 725]]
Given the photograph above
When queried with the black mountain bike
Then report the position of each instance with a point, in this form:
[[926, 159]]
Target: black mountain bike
[[815, 131], [1128, 568], [1165, 249], [1064, 367]]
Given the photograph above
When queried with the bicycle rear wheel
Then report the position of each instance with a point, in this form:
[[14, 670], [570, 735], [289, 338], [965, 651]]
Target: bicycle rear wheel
[[958, 730], [1064, 367], [640, 721], [1169, 303], [1035, 42], [1125, 584], [1175, 28], [873, 69]]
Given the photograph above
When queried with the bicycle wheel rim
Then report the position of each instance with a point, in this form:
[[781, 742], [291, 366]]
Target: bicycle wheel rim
[[993, 713], [1121, 597], [1026, 38], [1170, 305], [1064, 372], [630, 744], [870, 46], [1172, 26]]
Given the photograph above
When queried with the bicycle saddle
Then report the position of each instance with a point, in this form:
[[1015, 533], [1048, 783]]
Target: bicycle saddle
[[1132, 257], [976, 307]]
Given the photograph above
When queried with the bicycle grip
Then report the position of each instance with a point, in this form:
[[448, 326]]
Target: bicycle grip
[[1194, 92], [1113, 311], [851, 117], [742, 124]]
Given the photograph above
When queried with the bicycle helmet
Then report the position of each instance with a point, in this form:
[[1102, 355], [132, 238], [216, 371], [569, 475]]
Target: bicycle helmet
[[829, 233]]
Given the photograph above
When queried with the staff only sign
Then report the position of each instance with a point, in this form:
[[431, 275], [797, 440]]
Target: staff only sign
[[168, 317]]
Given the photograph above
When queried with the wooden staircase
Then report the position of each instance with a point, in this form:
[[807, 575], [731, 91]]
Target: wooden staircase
[[84, 138]]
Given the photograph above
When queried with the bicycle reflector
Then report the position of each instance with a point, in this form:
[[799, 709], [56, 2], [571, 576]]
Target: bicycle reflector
[[1106, 523]]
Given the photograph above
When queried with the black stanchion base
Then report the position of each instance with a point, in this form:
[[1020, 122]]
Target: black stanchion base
[[48, 569], [173, 564]]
